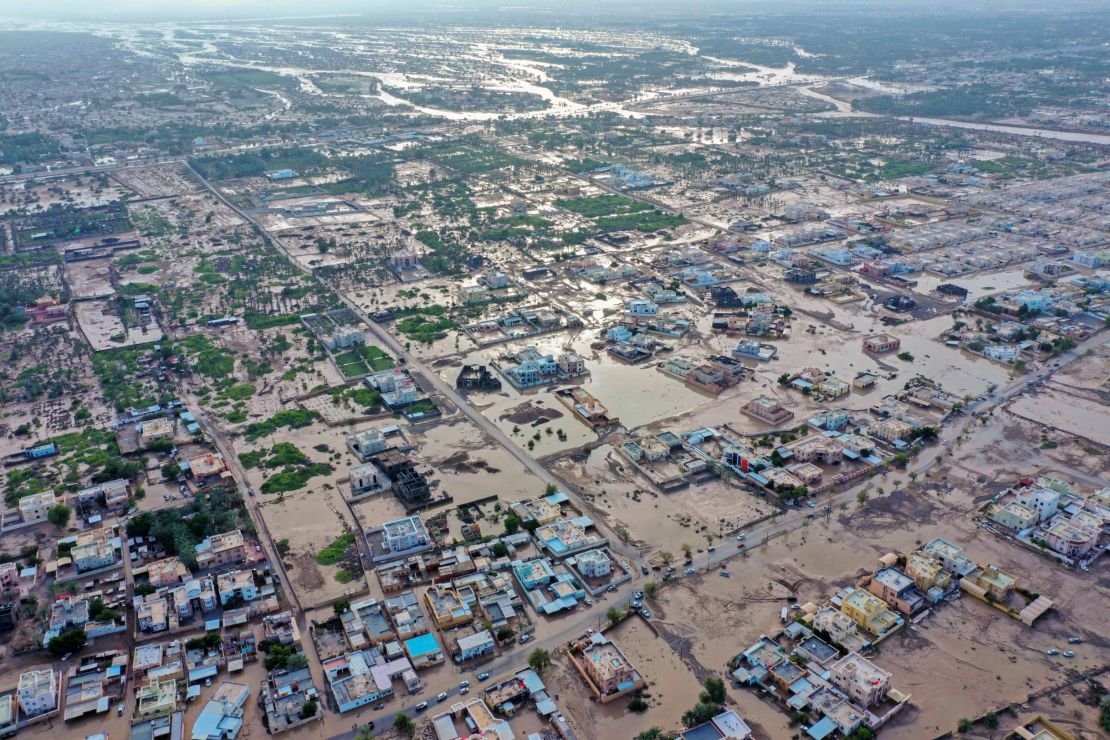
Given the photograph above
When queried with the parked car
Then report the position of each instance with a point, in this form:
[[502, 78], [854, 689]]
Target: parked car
[[725, 574], [464, 690], [645, 614], [689, 571], [711, 548], [638, 595], [119, 709], [524, 639], [442, 696], [611, 588], [464, 685], [421, 706], [1052, 651], [1069, 654], [588, 601], [1074, 640], [483, 676], [811, 505], [644, 570]]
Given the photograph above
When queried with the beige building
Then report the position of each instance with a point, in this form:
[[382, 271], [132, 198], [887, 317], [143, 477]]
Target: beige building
[[880, 343], [34, 508], [608, 672], [865, 683], [156, 699], [166, 572], [768, 410], [1014, 515], [221, 549], [839, 626]]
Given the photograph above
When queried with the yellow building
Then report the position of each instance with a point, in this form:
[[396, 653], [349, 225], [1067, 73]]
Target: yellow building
[[156, 699], [989, 583], [869, 611], [446, 608], [926, 571]]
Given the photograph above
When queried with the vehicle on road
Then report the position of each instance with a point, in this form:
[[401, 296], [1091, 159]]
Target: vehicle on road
[[741, 537], [464, 685], [689, 571], [1052, 651], [483, 676], [421, 706], [1069, 654], [464, 690], [644, 570], [588, 601], [725, 574], [119, 709], [1074, 640], [442, 696], [711, 548], [811, 505], [611, 588]]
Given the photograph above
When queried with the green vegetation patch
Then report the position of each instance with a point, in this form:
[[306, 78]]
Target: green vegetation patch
[[334, 552], [291, 418]]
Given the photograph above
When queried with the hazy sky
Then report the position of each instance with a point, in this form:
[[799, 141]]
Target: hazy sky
[[199, 9]]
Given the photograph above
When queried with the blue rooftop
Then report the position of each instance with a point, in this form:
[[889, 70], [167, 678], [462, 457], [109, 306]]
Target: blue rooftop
[[421, 645], [824, 728]]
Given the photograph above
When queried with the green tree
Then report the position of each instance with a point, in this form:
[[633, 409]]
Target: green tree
[[650, 588], [309, 709], [964, 724], [58, 515], [637, 705], [170, 471], [69, 641], [341, 606], [652, 733], [991, 720], [404, 725], [699, 714], [539, 659], [615, 615], [512, 524], [714, 691]]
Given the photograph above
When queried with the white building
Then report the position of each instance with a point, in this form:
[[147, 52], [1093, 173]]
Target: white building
[[594, 564], [405, 534], [475, 645], [368, 480], [642, 307], [366, 442], [38, 692]]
